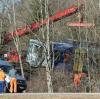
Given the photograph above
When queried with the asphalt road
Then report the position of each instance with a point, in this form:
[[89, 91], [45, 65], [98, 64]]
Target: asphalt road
[[50, 96]]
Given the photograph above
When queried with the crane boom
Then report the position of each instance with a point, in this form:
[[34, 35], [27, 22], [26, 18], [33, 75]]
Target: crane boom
[[23, 30]]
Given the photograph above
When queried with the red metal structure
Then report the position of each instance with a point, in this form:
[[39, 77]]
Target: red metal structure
[[26, 29], [22, 31], [78, 24]]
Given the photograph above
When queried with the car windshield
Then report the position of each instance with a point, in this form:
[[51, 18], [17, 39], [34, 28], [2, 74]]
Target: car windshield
[[5, 68]]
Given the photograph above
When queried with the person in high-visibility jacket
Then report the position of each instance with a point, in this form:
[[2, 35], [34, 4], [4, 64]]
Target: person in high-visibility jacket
[[2, 80], [13, 81], [77, 80]]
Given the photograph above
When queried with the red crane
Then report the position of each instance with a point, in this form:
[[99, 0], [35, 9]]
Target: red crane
[[26, 29], [23, 30]]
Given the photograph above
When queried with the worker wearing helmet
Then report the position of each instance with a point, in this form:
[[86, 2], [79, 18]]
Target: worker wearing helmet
[[13, 81], [2, 80]]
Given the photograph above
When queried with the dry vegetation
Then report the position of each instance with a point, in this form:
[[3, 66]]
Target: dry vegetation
[[30, 11]]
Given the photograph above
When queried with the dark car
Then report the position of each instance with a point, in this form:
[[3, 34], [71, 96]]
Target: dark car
[[21, 82]]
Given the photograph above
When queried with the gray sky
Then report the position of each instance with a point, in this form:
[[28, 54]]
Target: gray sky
[[4, 4]]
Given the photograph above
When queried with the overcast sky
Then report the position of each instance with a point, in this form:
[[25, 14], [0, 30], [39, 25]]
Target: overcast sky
[[4, 4]]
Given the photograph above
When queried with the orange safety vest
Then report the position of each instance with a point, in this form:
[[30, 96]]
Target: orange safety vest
[[2, 76]]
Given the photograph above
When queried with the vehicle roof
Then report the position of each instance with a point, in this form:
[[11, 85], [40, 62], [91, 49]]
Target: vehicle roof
[[4, 63]]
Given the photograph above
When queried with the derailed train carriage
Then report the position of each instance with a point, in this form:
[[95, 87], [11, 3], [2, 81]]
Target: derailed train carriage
[[78, 59]]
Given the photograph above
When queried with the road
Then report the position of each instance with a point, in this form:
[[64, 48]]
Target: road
[[50, 96]]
